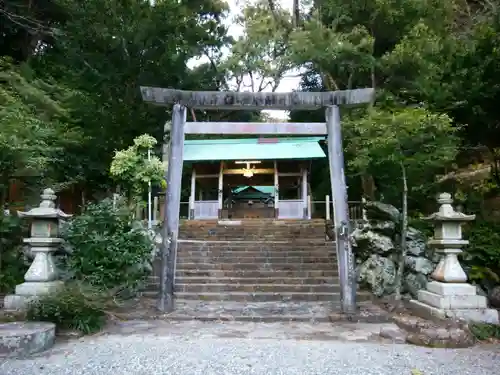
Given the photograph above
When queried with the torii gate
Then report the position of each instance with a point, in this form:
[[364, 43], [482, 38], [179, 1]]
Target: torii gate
[[256, 101]]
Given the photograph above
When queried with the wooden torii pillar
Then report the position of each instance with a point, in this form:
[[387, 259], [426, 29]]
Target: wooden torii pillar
[[257, 101]]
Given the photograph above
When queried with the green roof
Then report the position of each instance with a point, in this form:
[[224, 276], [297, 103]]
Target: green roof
[[253, 149], [262, 189]]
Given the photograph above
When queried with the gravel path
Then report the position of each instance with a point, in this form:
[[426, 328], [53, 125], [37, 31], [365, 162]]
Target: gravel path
[[162, 353]]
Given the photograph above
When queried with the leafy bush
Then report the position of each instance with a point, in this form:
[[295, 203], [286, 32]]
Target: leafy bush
[[107, 250], [75, 307], [482, 255], [12, 264], [484, 331], [133, 169], [424, 226]]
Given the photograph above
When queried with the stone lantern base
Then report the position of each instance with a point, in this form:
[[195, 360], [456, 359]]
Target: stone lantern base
[[453, 300], [30, 291]]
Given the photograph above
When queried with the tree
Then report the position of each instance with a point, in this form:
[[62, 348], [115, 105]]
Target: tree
[[418, 143], [475, 88], [107, 50], [405, 49], [260, 59], [36, 128], [26, 24], [133, 168]]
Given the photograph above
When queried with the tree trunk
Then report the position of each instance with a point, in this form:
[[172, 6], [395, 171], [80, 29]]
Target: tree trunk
[[404, 229], [296, 13], [368, 185]]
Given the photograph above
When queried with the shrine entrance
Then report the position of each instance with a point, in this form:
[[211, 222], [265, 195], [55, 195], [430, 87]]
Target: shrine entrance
[[256, 101], [251, 177]]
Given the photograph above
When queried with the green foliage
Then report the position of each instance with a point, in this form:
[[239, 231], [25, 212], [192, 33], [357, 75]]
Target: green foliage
[[12, 264], [35, 125], [100, 53], [484, 331], [132, 169], [384, 141], [260, 58], [474, 79], [107, 251], [334, 52], [109, 260], [75, 307], [483, 252], [424, 226]]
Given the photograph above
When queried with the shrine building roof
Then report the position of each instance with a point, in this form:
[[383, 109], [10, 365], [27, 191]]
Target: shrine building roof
[[262, 189], [253, 149]]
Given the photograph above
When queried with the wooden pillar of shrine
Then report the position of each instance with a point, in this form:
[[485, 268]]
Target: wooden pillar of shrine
[[276, 191]]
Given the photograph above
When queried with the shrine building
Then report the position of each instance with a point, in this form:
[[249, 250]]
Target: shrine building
[[251, 177]]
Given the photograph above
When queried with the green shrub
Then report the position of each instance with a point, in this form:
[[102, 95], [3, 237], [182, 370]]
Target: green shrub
[[107, 250], [424, 226], [12, 264], [484, 331], [75, 307], [482, 255]]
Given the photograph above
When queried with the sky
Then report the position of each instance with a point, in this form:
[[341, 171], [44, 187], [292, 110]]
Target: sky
[[287, 84]]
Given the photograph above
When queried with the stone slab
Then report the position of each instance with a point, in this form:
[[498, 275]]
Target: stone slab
[[490, 316], [393, 333], [13, 302], [318, 331], [229, 222], [21, 339], [433, 333], [451, 289], [481, 315], [38, 288], [291, 311], [452, 301], [28, 292]]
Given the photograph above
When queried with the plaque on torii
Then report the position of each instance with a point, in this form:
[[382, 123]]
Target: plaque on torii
[[218, 100]]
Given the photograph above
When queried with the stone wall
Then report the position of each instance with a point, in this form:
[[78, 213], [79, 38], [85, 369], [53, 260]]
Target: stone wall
[[376, 245]]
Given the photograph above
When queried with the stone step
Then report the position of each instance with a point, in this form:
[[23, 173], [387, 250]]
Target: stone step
[[260, 296], [255, 273], [254, 258], [258, 225], [262, 259], [249, 221], [256, 288], [252, 280], [248, 229], [254, 311], [285, 243], [264, 231], [257, 237], [254, 266], [265, 312], [253, 252]]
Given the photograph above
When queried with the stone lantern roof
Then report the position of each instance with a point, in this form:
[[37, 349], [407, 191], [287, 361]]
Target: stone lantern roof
[[447, 212], [46, 209]]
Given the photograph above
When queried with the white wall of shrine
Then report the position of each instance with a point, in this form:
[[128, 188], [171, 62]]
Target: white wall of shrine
[[299, 208]]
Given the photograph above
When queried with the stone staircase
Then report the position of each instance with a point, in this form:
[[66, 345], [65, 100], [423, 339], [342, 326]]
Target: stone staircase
[[255, 261]]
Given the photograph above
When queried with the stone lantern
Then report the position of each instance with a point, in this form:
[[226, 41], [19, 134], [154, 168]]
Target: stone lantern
[[449, 295], [42, 276]]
